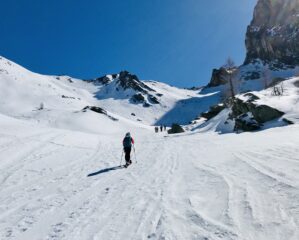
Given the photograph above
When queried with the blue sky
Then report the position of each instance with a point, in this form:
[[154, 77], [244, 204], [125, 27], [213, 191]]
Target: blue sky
[[173, 41]]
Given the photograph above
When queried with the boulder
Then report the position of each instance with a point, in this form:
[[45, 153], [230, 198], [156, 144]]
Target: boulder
[[175, 128], [261, 113], [246, 123], [264, 113]]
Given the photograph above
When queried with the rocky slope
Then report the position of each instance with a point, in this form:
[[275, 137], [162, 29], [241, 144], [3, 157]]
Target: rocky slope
[[126, 85]]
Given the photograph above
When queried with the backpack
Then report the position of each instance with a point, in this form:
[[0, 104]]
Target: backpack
[[127, 142]]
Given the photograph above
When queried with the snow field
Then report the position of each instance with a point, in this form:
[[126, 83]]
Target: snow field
[[194, 186]]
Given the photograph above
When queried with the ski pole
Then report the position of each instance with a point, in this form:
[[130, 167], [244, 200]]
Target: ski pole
[[135, 153], [121, 159]]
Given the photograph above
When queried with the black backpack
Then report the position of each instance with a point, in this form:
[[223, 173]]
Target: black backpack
[[127, 142]]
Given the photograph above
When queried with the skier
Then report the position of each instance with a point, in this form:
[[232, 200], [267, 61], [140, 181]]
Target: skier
[[127, 144], [161, 128], [164, 127], [156, 129]]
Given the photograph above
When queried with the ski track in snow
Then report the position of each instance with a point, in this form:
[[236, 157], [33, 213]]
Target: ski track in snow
[[203, 186]]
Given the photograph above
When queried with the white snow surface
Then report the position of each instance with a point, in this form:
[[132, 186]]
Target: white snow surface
[[192, 186], [60, 177]]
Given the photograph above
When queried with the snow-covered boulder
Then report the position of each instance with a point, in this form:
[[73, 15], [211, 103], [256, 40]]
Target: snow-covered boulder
[[246, 122], [260, 113]]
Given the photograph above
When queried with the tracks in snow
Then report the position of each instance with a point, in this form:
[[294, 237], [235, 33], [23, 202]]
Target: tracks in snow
[[178, 190]]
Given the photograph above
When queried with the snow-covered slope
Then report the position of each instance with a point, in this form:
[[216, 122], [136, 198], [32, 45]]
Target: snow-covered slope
[[59, 184], [24, 91], [287, 104], [175, 105], [60, 175]]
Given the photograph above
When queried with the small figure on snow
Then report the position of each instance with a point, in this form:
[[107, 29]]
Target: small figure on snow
[[156, 129], [161, 128], [127, 144]]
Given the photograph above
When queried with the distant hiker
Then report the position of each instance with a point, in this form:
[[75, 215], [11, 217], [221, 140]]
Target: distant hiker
[[161, 128], [127, 144], [156, 129], [164, 127]]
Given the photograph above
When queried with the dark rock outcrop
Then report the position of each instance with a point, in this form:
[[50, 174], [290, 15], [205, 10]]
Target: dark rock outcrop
[[273, 35], [213, 111], [261, 113], [127, 80], [106, 79], [138, 98], [153, 99], [296, 84], [98, 110], [95, 109], [272, 40], [218, 77], [146, 105], [175, 128], [250, 116], [247, 123]]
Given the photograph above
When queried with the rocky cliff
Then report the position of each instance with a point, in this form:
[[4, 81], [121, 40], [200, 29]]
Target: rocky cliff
[[272, 39], [273, 34]]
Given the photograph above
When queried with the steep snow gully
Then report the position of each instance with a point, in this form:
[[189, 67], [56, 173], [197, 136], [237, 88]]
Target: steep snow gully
[[62, 184]]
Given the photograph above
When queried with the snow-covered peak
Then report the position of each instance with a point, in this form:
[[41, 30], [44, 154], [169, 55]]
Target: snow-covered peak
[[123, 96]]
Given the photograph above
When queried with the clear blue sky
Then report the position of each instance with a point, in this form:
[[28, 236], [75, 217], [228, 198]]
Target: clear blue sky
[[173, 41]]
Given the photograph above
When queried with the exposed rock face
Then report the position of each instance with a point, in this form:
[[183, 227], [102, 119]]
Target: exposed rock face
[[124, 80], [106, 79], [138, 98], [261, 113], [213, 111], [273, 35], [99, 110], [218, 77], [250, 116], [127, 80], [153, 99], [247, 123], [129, 86], [272, 39]]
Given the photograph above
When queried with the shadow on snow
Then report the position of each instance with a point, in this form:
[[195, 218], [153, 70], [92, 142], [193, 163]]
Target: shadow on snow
[[105, 170], [188, 109]]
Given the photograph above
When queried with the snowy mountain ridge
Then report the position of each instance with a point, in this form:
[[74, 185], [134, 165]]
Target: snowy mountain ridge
[[122, 95]]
